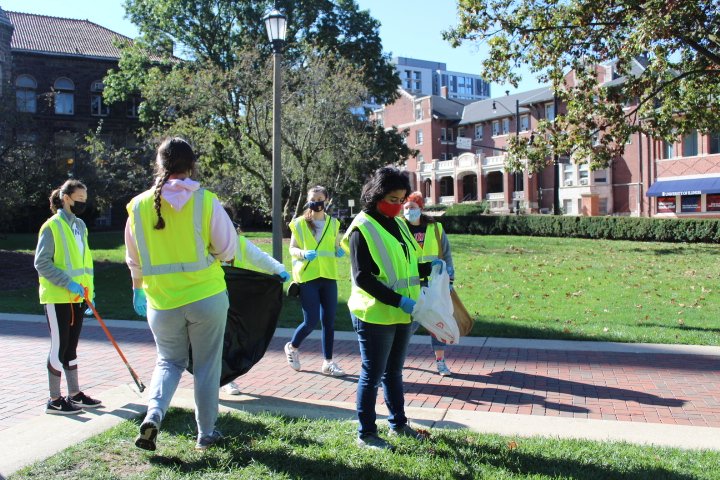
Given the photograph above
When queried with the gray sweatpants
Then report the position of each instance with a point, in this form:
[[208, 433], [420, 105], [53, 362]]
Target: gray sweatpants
[[201, 325]]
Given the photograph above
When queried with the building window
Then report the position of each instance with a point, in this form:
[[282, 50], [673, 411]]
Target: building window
[[550, 112], [603, 206], [505, 126], [133, 112], [25, 94], [568, 206], [418, 81], [496, 128], [584, 174], [418, 111], [568, 174], [420, 158], [65, 149], [601, 176], [690, 144], [64, 96], [418, 137], [446, 134], [461, 131], [667, 204], [668, 150], [714, 142], [524, 123], [479, 131], [97, 105], [446, 187]]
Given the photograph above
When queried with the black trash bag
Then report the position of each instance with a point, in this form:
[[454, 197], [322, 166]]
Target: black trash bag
[[255, 304]]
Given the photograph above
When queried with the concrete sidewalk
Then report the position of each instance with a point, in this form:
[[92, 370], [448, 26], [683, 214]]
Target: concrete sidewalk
[[652, 394]]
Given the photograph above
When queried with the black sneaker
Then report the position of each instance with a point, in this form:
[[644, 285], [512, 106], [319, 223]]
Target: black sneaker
[[83, 401], [61, 407], [148, 434]]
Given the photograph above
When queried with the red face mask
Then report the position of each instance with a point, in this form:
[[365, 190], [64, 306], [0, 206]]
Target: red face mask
[[389, 209]]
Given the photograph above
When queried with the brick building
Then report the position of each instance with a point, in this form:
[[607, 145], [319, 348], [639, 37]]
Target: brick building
[[652, 178], [55, 67]]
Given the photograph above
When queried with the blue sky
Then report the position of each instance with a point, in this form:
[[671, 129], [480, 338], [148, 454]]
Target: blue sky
[[409, 28]]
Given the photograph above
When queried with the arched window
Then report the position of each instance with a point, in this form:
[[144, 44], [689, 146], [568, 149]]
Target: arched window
[[64, 96], [25, 96], [97, 106]]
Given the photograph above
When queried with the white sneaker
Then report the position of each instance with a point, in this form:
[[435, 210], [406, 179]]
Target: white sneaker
[[231, 389], [442, 368], [332, 369], [293, 357]]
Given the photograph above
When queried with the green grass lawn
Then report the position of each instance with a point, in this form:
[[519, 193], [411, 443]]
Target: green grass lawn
[[525, 287], [270, 446]]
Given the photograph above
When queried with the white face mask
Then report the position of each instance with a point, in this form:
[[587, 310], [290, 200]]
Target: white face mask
[[412, 215]]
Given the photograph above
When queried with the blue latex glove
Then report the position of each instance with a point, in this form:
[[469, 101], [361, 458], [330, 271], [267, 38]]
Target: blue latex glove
[[437, 262], [88, 311], [77, 289], [451, 273], [340, 252], [284, 276], [310, 255], [140, 302], [407, 304]]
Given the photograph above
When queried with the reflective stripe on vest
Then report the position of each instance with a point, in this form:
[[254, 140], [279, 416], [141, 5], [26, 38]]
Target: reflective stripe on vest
[[204, 261], [71, 270], [393, 283]]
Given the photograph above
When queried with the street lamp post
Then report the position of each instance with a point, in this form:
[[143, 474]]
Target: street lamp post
[[276, 25]]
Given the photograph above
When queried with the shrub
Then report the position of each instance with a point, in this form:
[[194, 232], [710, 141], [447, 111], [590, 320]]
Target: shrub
[[466, 218]]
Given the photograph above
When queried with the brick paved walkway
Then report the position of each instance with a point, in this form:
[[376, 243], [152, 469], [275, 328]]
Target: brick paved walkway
[[676, 389]]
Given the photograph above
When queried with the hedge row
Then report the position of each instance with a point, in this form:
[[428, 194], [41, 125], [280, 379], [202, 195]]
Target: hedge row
[[611, 228]]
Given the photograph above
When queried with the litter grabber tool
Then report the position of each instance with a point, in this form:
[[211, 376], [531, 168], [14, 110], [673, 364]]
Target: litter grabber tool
[[134, 375]]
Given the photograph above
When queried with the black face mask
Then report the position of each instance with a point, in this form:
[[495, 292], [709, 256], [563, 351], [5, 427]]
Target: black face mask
[[317, 206], [78, 208]]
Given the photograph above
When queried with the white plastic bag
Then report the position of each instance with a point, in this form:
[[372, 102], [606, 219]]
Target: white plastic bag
[[434, 308]]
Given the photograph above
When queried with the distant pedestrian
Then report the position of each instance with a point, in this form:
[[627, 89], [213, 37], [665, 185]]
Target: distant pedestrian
[[65, 267], [429, 234], [176, 236], [385, 286], [314, 248]]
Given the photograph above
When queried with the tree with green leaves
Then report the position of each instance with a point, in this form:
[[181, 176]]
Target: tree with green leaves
[[664, 55], [220, 96]]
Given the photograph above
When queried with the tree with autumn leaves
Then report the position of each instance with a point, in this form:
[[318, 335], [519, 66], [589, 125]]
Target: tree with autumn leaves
[[665, 55]]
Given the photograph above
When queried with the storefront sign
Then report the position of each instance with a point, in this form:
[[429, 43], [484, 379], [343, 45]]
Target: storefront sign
[[690, 203], [666, 205]]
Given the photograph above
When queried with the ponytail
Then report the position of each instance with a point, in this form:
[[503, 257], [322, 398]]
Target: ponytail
[[55, 201], [158, 190]]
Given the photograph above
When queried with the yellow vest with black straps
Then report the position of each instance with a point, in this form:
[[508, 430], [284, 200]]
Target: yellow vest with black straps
[[68, 259], [430, 248], [325, 264], [397, 272], [177, 266]]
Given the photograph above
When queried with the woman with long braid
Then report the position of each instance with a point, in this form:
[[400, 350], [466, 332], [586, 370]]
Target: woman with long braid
[[176, 236]]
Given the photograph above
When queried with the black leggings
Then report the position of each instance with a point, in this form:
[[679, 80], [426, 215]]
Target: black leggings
[[65, 321]]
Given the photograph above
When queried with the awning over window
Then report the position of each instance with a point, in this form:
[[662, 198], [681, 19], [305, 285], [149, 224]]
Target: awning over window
[[689, 186]]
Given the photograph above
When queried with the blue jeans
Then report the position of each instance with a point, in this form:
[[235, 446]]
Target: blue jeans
[[382, 351], [201, 325], [318, 299]]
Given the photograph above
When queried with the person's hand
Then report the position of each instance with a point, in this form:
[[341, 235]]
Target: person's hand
[[88, 310], [407, 304], [437, 261], [140, 302], [310, 255], [451, 273], [284, 276], [77, 289], [339, 253]]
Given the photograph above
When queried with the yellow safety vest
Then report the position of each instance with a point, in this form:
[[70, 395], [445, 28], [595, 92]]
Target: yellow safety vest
[[430, 248], [240, 260], [325, 265], [67, 258], [177, 266], [397, 272]]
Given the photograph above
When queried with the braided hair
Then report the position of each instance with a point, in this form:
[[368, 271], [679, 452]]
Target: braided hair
[[174, 156], [67, 188]]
